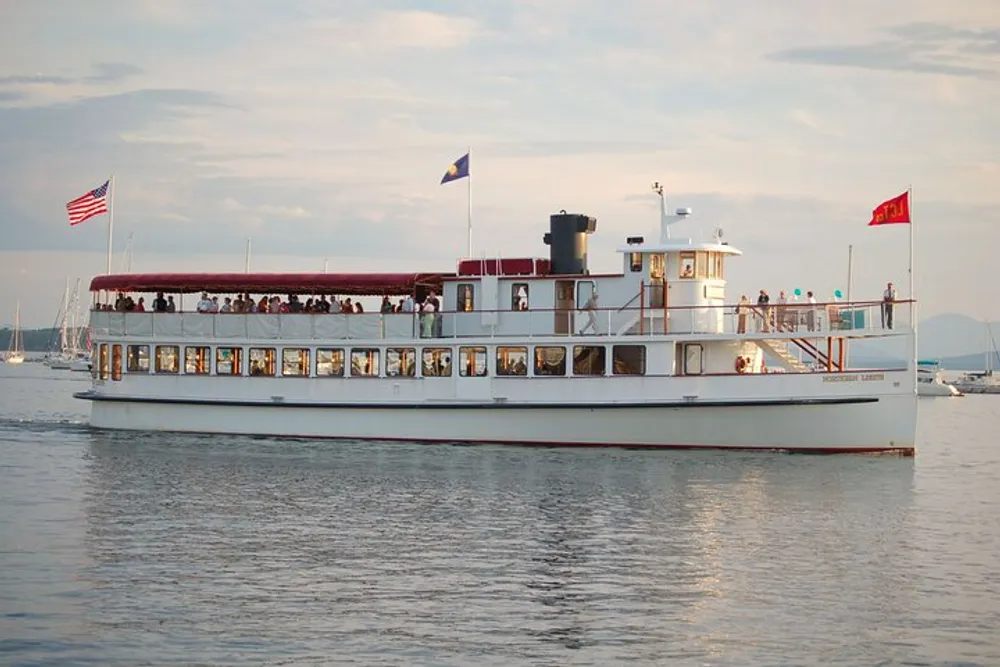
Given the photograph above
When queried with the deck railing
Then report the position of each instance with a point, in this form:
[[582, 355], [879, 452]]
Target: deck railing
[[797, 322]]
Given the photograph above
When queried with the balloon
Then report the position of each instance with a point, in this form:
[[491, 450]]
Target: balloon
[[797, 292], [837, 293]]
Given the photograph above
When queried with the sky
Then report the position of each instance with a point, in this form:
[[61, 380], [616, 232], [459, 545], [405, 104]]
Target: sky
[[320, 131]]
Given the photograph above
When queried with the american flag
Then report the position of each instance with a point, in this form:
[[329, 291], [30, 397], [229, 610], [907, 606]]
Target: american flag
[[93, 203]]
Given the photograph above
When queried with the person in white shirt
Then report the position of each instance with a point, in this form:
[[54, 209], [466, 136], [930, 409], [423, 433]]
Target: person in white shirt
[[205, 305], [427, 322], [811, 313], [408, 304], [888, 299]]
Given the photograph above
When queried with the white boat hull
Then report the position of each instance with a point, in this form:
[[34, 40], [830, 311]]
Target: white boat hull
[[14, 359], [882, 424], [936, 389]]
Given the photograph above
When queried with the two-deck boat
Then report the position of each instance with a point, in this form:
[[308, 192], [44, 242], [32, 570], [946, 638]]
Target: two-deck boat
[[534, 351]]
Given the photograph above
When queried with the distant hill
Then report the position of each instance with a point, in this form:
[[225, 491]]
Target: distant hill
[[954, 336], [35, 340]]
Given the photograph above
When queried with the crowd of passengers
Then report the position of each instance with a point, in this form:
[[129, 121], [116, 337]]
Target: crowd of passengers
[[244, 303]]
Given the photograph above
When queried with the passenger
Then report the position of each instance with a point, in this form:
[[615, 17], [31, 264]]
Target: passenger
[[427, 319], [159, 303], [742, 309], [386, 306], [590, 307], [205, 305], [171, 306], [358, 308], [227, 307]]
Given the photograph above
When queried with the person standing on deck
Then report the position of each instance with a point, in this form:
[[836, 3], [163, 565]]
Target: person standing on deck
[[888, 301], [742, 308]]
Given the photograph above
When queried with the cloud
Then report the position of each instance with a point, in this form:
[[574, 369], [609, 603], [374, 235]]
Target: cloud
[[30, 79], [108, 72], [923, 48], [10, 96], [261, 211]]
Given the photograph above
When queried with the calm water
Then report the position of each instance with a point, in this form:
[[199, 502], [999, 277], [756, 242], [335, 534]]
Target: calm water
[[125, 549]]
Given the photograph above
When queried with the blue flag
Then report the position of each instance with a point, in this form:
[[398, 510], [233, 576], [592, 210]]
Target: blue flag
[[460, 169]]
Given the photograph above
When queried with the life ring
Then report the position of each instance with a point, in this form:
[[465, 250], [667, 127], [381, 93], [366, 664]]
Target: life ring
[[741, 365]]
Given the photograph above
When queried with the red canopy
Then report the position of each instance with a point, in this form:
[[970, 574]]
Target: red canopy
[[351, 284]]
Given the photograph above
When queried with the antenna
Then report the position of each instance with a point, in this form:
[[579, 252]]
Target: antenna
[[667, 220]]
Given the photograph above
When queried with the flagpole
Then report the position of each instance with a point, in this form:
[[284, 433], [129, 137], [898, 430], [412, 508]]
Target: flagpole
[[913, 298], [468, 249], [111, 218]]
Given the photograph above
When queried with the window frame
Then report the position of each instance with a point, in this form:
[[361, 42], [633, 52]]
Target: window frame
[[116, 362], [465, 298], [687, 358], [701, 265], [464, 351], [684, 257], [236, 360], [270, 361], [516, 300], [504, 367], [369, 354], [439, 351], [304, 362], [402, 352], [158, 359], [614, 359], [604, 358], [539, 353], [202, 360], [132, 352], [333, 363]]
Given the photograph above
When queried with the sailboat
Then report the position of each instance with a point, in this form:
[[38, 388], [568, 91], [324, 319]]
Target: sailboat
[[69, 353], [987, 382], [15, 352]]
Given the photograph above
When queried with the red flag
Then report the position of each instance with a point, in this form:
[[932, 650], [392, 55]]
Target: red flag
[[892, 211]]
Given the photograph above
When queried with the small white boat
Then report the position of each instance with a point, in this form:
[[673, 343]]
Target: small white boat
[[930, 380], [15, 351], [987, 382]]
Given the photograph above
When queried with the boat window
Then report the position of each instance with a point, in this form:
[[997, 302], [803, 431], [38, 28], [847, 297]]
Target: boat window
[[519, 296], [701, 265], [589, 360], [330, 363], [137, 359], [686, 265], [436, 362], [102, 362], [628, 359], [635, 262], [584, 290], [295, 362], [693, 356], [228, 360], [512, 360], [472, 361], [364, 362], [197, 360], [466, 298], [550, 361], [116, 362], [401, 362], [263, 361], [168, 359]]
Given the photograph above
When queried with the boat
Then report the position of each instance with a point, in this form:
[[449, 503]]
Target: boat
[[987, 382], [931, 382], [15, 349], [524, 350]]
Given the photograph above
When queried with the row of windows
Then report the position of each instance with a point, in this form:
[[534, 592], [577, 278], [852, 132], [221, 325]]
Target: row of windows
[[510, 360], [466, 295], [693, 264]]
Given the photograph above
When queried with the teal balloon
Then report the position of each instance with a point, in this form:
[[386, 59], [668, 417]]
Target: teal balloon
[[797, 292], [837, 293]]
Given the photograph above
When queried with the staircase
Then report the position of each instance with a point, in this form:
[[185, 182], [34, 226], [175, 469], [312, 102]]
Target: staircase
[[778, 349]]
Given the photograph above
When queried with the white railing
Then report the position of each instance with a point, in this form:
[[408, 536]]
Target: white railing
[[793, 321]]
